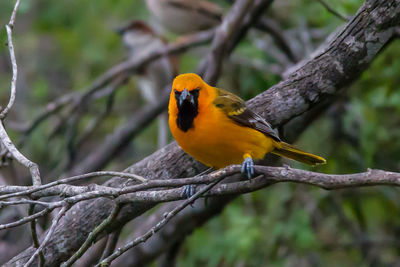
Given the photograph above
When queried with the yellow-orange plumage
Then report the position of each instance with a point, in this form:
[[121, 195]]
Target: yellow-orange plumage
[[223, 131]]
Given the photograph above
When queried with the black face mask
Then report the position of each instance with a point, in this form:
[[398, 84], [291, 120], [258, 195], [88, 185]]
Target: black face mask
[[187, 103]]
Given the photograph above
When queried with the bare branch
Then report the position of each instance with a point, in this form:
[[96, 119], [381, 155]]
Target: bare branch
[[26, 219], [23, 201], [23, 191], [232, 29], [178, 228], [9, 28], [167, 217], [335, 66], [35, 238], [50, 109], [92, 237], [117, 140], [111, 243], [271, 175], [48, 235], [33, 167], [223, 34], [94, 125], [333, 11], [281, 40], [119, 72]]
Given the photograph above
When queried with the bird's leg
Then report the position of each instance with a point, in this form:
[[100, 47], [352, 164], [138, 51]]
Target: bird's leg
[[190, 190], [248, 166]]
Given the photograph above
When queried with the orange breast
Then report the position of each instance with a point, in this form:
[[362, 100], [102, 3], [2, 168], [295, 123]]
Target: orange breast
[[217, 141]]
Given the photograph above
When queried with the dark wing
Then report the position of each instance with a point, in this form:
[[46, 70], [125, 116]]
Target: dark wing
[[235, 108]]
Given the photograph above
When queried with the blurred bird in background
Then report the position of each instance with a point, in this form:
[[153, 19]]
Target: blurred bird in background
[[140, 40], [185, 16]]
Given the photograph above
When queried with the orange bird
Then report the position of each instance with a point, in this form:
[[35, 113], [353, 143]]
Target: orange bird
[[216, 128]]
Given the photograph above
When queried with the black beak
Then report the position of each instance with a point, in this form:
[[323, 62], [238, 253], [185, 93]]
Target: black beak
[[185, 96]]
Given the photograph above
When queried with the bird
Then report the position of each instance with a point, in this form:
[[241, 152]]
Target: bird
[[185, 16], [216, 128], [140, 40]]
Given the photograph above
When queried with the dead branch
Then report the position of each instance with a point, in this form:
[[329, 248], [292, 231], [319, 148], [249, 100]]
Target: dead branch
[[5, 140], [333, 11], [337, 65], [167, 217], [9, 28]]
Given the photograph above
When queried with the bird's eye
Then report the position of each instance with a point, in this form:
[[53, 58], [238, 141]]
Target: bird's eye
[[177, 92]]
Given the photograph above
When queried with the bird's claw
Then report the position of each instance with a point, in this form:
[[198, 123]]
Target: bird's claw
[[188, 191], [248, 167]]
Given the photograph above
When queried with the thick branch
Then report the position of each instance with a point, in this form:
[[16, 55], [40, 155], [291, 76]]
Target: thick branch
[[223, 34], [339, 64]]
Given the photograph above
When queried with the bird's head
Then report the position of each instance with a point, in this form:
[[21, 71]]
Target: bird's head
[[188, 95], [136, 26], [138, 38]]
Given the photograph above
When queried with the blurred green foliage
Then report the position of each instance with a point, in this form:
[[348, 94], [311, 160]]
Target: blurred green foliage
[[62, 46]]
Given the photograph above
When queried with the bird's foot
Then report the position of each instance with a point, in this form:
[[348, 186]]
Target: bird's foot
[[188, 191], [248, 167]]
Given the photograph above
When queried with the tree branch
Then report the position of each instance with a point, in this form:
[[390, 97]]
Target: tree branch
[[8, 144], [339, 63], [48, 235], [333, 11], [167, 217], [32, 166], [224, 32], [92, 237], [9, 28]]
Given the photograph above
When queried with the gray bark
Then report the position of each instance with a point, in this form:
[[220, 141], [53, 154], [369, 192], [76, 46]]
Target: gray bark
[[340, 63]]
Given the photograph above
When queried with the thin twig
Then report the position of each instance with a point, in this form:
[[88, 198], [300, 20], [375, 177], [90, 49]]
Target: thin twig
[[116, 141], [282, 41], [123, 69], [48, 235], [26, 219], [50, 109], [32, 166], [94, 125], [168, 216], [112, 241], [35, 238], [23, 201], [31, 190], [9, 28], [333, 11], [93, 236]]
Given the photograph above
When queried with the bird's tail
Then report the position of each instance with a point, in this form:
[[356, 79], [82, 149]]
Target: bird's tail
[[285, 150]]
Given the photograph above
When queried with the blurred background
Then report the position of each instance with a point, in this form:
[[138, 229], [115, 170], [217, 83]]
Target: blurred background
[[63, 46]]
